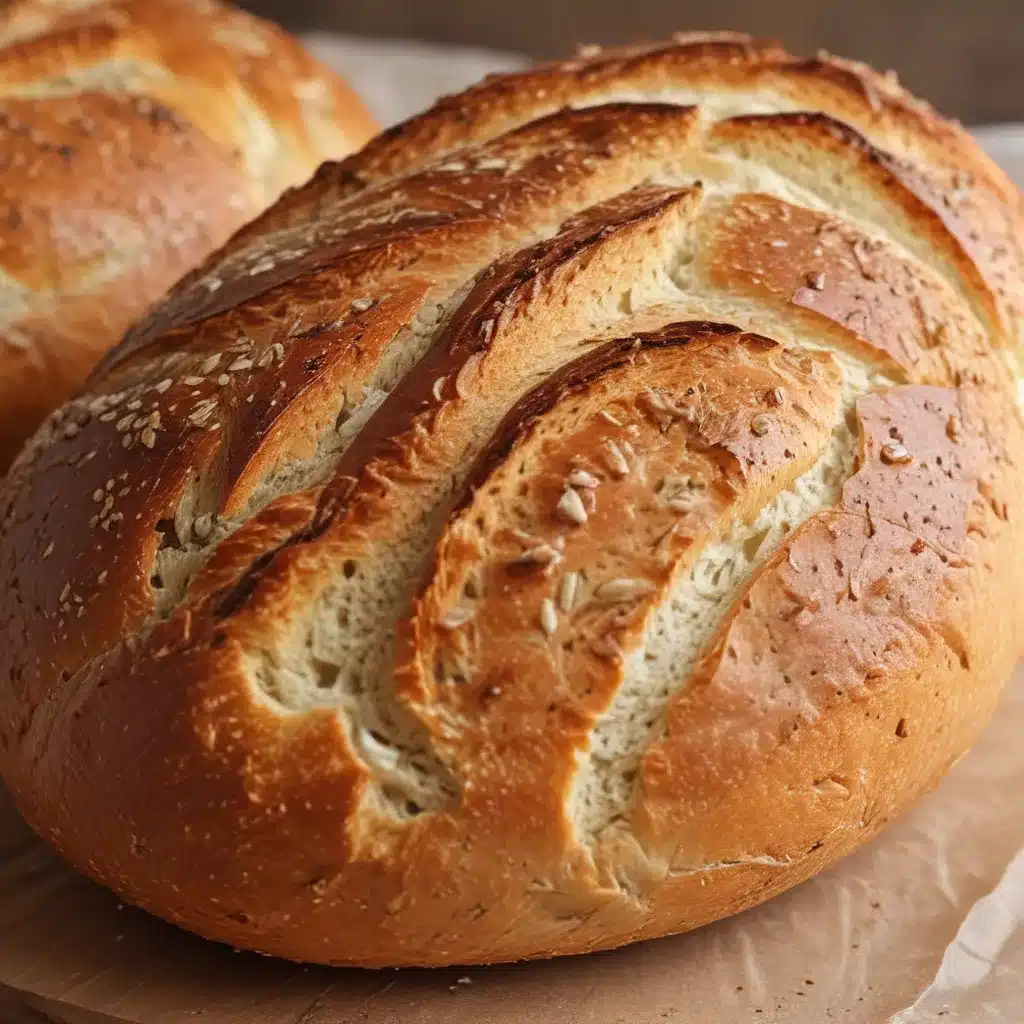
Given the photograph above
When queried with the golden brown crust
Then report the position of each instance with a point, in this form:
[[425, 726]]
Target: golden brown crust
[[808, 262], [574, 539], [131, 151]]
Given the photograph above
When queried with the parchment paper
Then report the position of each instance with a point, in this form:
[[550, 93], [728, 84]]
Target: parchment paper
[[924, 926]]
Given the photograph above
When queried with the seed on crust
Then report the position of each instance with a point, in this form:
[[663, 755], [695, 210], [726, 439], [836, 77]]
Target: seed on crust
[[548, 617], [777, 397], [209, 364], [570, 507], [568, 591], [623, 589], [262, 266], [659, 402], [616, 460], [535, 557], [202, 412], [761, 424], [895, 454], [581, 478], [680, 492], [457, 617]]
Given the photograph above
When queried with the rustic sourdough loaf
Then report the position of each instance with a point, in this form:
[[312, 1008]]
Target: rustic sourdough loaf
[[135, 137], [586, 512]]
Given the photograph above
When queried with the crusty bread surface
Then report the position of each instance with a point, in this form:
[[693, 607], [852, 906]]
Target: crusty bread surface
[[586, 512], [135, 137]]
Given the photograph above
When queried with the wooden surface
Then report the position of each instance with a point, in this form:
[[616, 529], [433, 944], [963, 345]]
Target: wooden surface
[[967, 57]]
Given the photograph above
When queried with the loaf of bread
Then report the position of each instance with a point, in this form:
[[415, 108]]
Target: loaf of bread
[[588, 511], [135, 137]]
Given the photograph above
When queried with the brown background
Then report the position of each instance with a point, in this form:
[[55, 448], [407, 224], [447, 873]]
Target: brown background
[[967, 56]]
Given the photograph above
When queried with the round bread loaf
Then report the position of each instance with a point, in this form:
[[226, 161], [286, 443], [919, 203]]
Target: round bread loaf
[[588, 511], [135, 137]]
